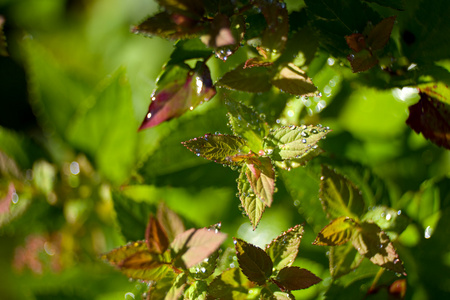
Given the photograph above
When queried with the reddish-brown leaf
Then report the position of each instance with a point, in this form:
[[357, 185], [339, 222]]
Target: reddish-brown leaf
[[295, 278], [156, 236]]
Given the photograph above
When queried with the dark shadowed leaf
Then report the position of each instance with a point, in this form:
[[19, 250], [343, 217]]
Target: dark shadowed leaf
[[431, 117], [179, 89], [197, 290], [362, 61], [247, 123], [380, 34], [268, 293], [261, 175], [253, 80], [160, 289], [295, 278], [284, 249], [231, 284], [156, 236], [356, 41], [343, 259], [3, 45], [194, 245], [338, 232], [339, 196], [293, 80], [293, 141], [374, 244], [275, 35], [189, 49], [253, 261], [397, 4], [252, 205], [193, 8], [170, 221], [220, 148]]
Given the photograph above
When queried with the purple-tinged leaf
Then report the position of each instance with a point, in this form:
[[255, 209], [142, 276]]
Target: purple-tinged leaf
[[257, 62], [362, 61], [170, 221], [220, 34], [380, 34], [284, 249], [356, 41], [369, 240], [231, 284], [295, 278], [253, 80], [431, 117], [293, 80], [398, 289], [253, 261], [261, 175], [220, 148], [194, 245], [344, 259], [156, 237], [252, 205], [179, 89], [192, 8], [338, 232], [6, 201], [3, 44]]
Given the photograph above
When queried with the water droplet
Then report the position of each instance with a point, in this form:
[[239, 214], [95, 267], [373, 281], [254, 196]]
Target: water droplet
[[14, 198], [74, 168], [314, 131], [129, 296], [322, 177], [428, 232], [191, 108], [304, 141], [388, 216], [269, 151]]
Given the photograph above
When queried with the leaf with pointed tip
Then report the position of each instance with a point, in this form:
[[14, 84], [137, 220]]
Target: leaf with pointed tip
[[338, 232], [194, 245], [177, 289], [156, 236], [253, 80], [295, 278], [374, 244], [197, 290], [193, 8], [293, 80], [3, 45], [293, 163], [170, 221], [339, 196], [231, 284], [431, 117], [362, 61], [284, 249], [179, 89], [275, 35], [247, 123], [293, 141], [252, 205], [189, 49], [220, 148], [253, 261], [261, 175], [343, 259], [257, 62], [205, 268], [380, 34]]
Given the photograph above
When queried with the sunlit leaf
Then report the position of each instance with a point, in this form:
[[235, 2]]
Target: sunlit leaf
[[252, 205], [194, 245], [374, 244], [292, 163], [293, 80], [170, 221], [339, 196], [284, 249], [247, 123], [161, 288], [179, 89], [253, 80], [268, 293], [295, 278], [391, 221], [293, 141], [275, 35], [257, 62], [431, 117], [177, 289], [338, 232], [220, 148], [156, 236], [261, 175], [3, 45], [380, 34], [205, 268], [253, 261], [343, 259], [197, 290], [231, 284]]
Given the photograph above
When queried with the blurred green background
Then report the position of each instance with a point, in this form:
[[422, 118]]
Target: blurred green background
[[75, 88]]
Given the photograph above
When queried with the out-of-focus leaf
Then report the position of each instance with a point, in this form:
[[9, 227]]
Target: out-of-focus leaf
[[253, 261], [338, 232], [179, 89], [261, 175], [231, 284], [206, 268], [247, 123], [161, 288], [374, 244], [275, 35], [197, 290], [6, 201], [220, 148], [253, 80], [293, 80], [293, 141], [398, 288], [397, 4], [362, 61], [194, 245], [380, 34], [3, 44], [193, 8], [170, 221], [339, 196], [343, 259], [177, 289], [189, 49], [391, 221], [301, 48], [431, 117], [295, 278], [356, 41], [284, 249], [257, 62], [8, 167], [252, 205], [156, 237]]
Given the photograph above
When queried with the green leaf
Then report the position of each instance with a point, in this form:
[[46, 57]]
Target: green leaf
[[284, 249], [206, 268], [253, 261], [397, 4], [247, 123], [3, 44], [293, 80], [177, 289], [160, 289], [156, 237], [391, 221], [179, 89], [170, 221], [374, 244], [197, 290], [293, 141], [194, 245], [193, 8], [261, 175], [189, 49], [268, 293], [343, 259], [231, 284], [275, 35], [295, 278], [220, 148], [339, 196], [252, 205], [431, 117], [338, 232], [253, 80]]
